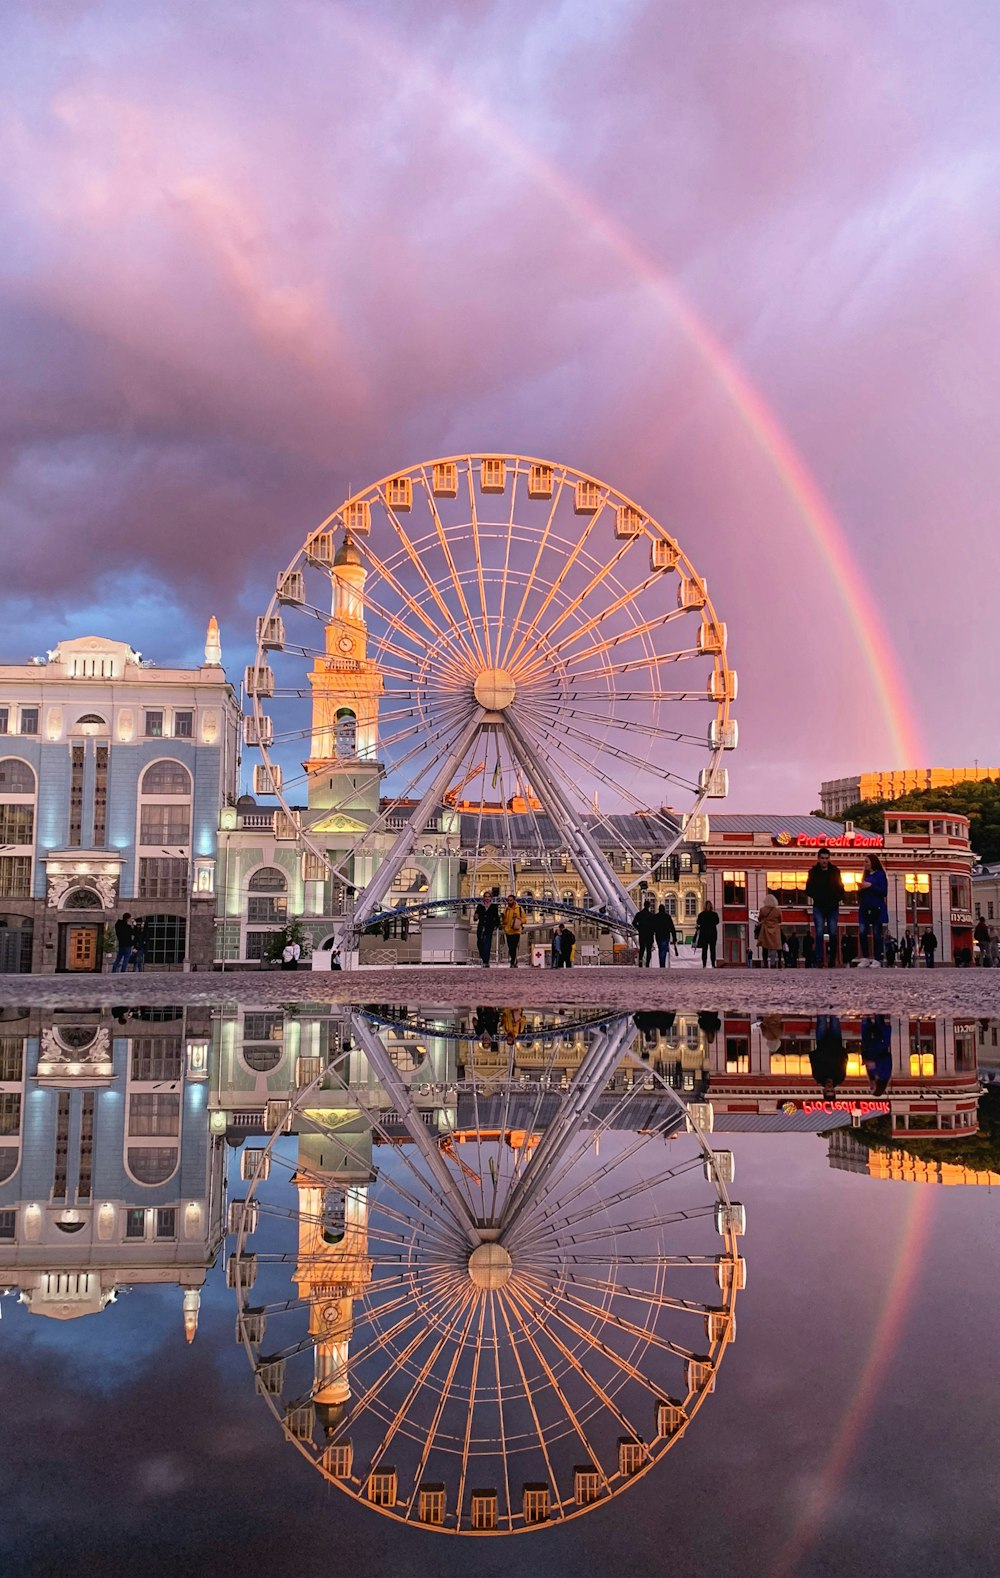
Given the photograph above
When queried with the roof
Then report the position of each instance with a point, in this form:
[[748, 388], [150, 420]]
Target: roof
[[524, 830], [743, 822]]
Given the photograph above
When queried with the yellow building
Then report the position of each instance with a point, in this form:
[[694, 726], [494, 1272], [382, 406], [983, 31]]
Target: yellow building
[[837, 795]]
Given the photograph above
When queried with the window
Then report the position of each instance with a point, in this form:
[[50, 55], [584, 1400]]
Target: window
[[382, 1488], [258, 944], [734, 887], [154, 1114], [10, 1113], [154, 725], [737, 1055], [690, 906], [29, 720], [76, 796], [163, 879], [921, 1065], [8, 1220], [15, 876], [183, 725], [156, 1058], [685, 862], [266, 911], [16, 777], [100, 796], [17, 824], [152, 1164], [267, 904], [788, 887], [4, 719], [166, 1222], [263, 1027], [166, 936], [917, 882], [961, 893], [164, 824], [135, 1222], [989, 909], [263, 1059], [672, 905], [796, 1064], [11, 1058], [166, 778]]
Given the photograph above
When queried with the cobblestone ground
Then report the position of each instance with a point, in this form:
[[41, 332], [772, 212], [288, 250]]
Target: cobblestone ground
[[973, 993]]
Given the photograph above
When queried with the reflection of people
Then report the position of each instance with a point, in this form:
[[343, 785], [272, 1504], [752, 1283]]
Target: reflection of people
[[829, 1059], [487, 921], [512, 920], [486, 1023], [876, 1049], [512, 1024]]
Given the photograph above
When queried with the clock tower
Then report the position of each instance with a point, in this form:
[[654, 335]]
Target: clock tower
[[346, 687]]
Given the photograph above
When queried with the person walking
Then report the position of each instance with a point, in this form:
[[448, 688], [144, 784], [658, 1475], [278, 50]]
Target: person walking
[[665, 933], [906, 951], [123, 937], [512, 920], [792, 951], [873, 912], [825, 887], [769, 932], [706, 933], [890, 950], [928, 947], [808, 953], [644, 921], [140, 938], [487, 920], [563, 945], [982, 937]]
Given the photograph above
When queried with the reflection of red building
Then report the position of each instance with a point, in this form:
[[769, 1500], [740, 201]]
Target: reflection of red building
[[763, 1068], [926, 856]]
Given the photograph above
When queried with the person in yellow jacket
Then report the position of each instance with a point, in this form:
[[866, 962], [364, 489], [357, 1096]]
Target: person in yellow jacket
[[512, 920]]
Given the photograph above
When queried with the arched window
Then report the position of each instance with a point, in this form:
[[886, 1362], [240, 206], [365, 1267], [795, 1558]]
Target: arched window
[[346, 733], [16, 777], [263, 1059], [151, 1164], [267, 903], [83, 899], [166, 777]]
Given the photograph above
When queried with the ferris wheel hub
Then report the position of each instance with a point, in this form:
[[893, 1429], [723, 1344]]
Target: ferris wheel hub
[[494, 689], [490, 1266]]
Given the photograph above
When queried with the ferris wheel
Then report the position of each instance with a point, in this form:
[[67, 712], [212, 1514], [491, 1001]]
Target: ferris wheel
[[480, 1302], [499, 649]]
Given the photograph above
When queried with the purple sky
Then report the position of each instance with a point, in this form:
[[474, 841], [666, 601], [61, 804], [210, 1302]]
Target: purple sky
[[257, 255]]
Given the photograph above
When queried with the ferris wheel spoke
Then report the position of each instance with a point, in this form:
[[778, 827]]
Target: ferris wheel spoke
[[601, 579], [449, 559], [460, 650], [608, 1286], [494, 1300], [444, 1396], [557, 706], [565, 728], [529, 585], [324, 617], [529, 1306], [477, 547], [557, 1212], [608, 1317], [558, 584], [509, 1306]]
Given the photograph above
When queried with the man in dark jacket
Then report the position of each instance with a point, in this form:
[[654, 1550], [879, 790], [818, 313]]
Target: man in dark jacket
[[487, 921], [928, 944], [825, 887], [123, 937], [665, 933], [644, 922]]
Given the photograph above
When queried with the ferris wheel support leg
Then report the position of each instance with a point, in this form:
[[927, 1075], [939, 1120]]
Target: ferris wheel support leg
[[594, 866], [395, 1087], [403, 845], [589, 1083]]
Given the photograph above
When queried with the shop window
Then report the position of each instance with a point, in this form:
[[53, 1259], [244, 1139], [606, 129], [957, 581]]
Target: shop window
[[788, 887], [792, 1064], [165, 939], [737, 1055], [734, 887], [961, 893], [921, 1065]]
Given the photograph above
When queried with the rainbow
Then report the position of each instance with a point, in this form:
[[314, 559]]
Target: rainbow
[[884, 1339], [904, 735]]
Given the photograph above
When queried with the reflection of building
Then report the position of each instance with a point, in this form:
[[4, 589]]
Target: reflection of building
[[763, 1070], [926, 856], [111, 777], [838, 795], [108, 1176], [847, 1153]]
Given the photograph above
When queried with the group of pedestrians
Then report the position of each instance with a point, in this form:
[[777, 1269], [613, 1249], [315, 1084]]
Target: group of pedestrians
[[131, 938], [824, 947], [988, 945], [490, 919], [655, 926]]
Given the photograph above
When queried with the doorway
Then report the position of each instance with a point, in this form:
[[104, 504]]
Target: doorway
[[79, 947]]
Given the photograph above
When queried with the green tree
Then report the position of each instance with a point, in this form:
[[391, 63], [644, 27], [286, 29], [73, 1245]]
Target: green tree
[[980, 802]]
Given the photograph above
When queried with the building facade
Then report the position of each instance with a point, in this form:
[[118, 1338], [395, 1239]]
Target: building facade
[[109, 1176], [927, 858], [112, 773], [838, 795]]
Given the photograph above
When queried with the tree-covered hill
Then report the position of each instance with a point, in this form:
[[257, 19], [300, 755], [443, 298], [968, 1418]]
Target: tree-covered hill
[[980, 802]]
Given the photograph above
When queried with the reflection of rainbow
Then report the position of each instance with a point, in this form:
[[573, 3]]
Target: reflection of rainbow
[[884, 1340], [904, 737]]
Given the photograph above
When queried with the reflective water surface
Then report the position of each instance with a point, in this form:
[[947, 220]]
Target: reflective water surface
[[695, 1285]]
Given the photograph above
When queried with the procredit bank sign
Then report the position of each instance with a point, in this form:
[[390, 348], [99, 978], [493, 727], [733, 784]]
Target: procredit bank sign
[[821, 841]]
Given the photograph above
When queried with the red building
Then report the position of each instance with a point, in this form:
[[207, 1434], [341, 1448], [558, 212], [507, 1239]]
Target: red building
[[926, 856]]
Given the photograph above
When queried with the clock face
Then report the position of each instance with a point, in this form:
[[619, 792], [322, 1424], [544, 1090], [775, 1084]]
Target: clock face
[[346, 644]]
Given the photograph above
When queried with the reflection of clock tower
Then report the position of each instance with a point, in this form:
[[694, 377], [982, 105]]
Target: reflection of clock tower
[[346, 688], [333, 1267]]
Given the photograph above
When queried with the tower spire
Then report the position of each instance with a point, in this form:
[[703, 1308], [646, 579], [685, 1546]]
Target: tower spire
[[213, 642]]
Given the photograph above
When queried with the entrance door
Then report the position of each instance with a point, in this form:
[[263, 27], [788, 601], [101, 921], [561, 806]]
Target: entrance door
[[81, 947]]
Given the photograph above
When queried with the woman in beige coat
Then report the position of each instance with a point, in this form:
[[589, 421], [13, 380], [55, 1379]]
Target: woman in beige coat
[[769, 932]]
